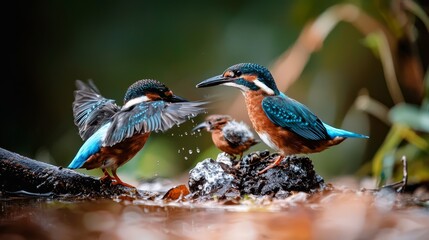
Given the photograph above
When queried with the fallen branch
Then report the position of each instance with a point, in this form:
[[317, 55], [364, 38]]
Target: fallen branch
[[22, 175]]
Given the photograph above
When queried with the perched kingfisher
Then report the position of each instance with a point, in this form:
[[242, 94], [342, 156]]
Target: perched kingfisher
[[113, 134], [228, 135], [281, 122]]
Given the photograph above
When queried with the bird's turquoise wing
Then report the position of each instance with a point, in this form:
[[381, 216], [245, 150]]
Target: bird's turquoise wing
[[90, 109], [148, 117], [294, 116]]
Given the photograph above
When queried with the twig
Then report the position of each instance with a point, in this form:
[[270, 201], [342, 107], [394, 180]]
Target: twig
[[386, 58], [400, 186], [369, 105]]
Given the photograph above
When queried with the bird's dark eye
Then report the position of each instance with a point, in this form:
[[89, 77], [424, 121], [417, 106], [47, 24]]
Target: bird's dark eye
[[209, 122], [237, 73]]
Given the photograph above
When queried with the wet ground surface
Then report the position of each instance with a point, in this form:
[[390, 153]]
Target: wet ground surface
[[336, 213]]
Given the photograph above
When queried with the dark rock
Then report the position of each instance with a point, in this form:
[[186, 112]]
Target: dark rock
[[212, 178], [293, 174]]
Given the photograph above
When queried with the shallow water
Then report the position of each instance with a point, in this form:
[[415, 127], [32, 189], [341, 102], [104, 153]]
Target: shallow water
[[331, 215]]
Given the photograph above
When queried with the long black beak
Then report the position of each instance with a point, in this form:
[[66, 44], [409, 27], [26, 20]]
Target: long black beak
[[201, 126], [216, 80], [175, 98]]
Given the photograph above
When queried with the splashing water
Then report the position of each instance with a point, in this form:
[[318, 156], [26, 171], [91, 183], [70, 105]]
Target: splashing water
[[186, 158], [190, 151], [198, 150]]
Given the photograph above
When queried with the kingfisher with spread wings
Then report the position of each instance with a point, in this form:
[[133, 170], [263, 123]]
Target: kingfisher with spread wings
[[113, 134]]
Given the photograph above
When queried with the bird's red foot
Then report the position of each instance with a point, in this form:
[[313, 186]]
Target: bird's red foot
[[106, 176], [119, 181], [275, 163]]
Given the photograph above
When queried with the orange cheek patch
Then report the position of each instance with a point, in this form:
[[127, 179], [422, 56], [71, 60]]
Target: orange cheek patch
[[249, 78], [153, 96]]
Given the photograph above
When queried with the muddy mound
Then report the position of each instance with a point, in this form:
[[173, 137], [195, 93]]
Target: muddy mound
[[226, 177]]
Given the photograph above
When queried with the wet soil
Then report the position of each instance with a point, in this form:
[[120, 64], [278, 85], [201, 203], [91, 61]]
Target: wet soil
[[227, 178]]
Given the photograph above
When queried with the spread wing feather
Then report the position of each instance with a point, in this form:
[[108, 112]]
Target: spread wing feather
[[148, 117], [90, 109]]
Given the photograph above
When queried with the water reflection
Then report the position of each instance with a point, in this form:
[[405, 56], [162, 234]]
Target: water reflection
[[346, 216]]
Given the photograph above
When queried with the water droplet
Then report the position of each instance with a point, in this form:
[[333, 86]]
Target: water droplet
[[186, 158], [190, 151], [178, 151], [183, 148], [186, 133], [172, 134], [198, 150], [199, 130]]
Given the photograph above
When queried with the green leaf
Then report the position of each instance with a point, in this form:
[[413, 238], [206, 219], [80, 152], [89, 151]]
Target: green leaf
[[410, 115], [372, 41], [387, 168], [393, 139]]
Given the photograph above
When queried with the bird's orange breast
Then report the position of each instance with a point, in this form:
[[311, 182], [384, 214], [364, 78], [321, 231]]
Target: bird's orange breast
[[120, 153], [222, 144]]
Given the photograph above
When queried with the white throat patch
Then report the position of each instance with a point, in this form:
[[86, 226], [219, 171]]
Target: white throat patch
[[241, 87], [135, 101], [264, 87]]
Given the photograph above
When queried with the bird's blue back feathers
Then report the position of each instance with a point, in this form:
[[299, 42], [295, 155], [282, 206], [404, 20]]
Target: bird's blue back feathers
[[336, 132], [90, 147], [296, 117]]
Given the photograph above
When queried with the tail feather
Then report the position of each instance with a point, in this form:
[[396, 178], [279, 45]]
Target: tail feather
[[336, 132], [90, 147]]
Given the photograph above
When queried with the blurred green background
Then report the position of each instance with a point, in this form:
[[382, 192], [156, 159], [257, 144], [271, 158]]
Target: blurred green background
[[50, 44]]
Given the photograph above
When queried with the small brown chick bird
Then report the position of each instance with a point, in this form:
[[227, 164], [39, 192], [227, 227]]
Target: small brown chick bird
[[228, 135]]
